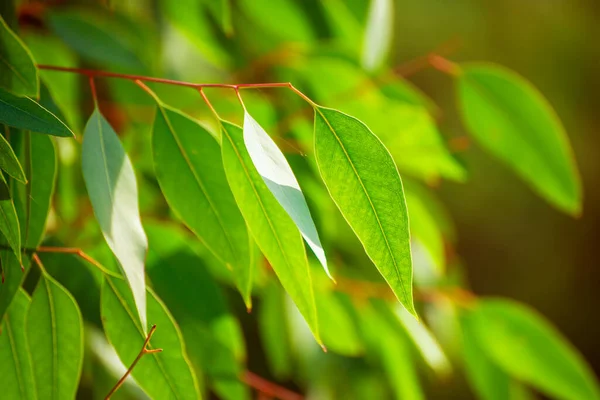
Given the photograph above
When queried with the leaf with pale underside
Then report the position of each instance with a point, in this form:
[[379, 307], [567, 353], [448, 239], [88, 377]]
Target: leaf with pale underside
[[55, 338], [186, 156], [18, 73], [112, 188], [363, 181], [512, 120], [279, 178], [378, 34], [272, 228]]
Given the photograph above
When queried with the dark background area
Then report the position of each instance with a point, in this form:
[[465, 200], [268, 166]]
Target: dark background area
[[512, 243]]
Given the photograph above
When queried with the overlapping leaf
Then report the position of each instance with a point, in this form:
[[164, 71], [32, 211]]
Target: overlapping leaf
[[277, 174], [514, 122], [55, 339], [188, 165], [165, 375], [363, 181], [112, 189], [25, 113], [9, 222], [9, 162], [15, 361], [272, 228], [18, 73], [378, 33]]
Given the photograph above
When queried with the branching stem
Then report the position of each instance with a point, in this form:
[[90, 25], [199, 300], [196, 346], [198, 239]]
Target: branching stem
[[145, 350]]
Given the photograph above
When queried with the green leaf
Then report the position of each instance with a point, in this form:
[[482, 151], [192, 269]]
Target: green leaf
[[112, 189], [363, 181], [55, 336], [527, 347], [15, 360], [379, 33], [274, 231], [221, 10], [339, 331], [32, 201], [200, 196], [277, 174], [213, 337], [9, 222], [18, 73], [13, 277], [487, 379], [101, 37], [514, 122], [25, 113], [9, 161], [165, 375]]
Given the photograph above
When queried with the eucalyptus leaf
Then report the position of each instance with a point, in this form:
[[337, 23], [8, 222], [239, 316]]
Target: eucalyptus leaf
[[112, 188], [9, 222], [18, 72], [9, 162], [25, 113], [272, 228], [15, 360], [277, 174], [186, 156], [164, 375], [363, 181], [378, 34], [55, 338], [528, 348], [213, 337], [514, 122]]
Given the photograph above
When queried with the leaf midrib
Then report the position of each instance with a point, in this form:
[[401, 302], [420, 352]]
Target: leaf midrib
[[13, 348], [202, 189], [384, 235], [37, 118], [135, 323]]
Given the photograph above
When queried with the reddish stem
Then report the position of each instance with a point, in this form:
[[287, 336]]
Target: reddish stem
[[269, 388]]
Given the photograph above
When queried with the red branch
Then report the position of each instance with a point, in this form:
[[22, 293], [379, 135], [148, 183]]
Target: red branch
[[269, 388]]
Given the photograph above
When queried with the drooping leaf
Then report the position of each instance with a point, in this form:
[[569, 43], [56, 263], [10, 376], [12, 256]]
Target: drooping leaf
[[363, 181], [112, 189], [9, 161], [528, 348], [38, 156], [515, 123], [338, 328], [277, 174], [165, 375], [18, 73], [213, 337], [221, 10], [15, 360], [272, 228], [25, 113], [55, 337], [9, 222], [188, 165], [378, 34]]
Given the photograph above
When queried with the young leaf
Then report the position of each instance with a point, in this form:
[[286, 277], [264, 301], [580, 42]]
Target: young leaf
[[55, 337], [25, 113], [270, 225], [213, 337], [378, 34], [9, 222], [277, 174], [18, 73], [200, 196], [9, 161], [15, 360], [514, 122], [111, 185], [527, 347], [363, 181], [165, 375]]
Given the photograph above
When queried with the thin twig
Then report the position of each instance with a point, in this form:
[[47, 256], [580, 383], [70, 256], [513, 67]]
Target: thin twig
[[75, 251], [145, 350], [269, 388]]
